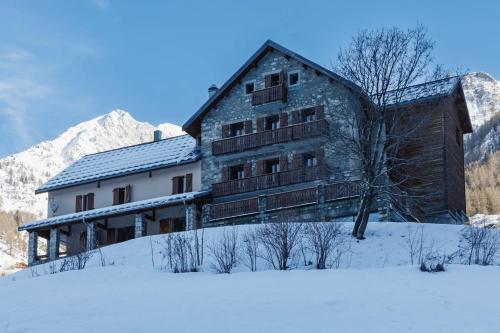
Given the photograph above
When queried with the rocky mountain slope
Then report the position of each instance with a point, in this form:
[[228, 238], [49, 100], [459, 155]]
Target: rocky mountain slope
[[482, 92], [22, 173]]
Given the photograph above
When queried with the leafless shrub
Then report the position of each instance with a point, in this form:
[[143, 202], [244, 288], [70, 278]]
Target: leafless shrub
[[34, 272], [53, 267], [250, 249], [224, 251], [326, 240], [280, 241], [415, 240], [183, 251], [479, 245]]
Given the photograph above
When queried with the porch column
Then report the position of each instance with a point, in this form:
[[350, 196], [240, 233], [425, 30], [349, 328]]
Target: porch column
[[205, 215], [91, 243], [32, 247], [262, 200], [190, 217], [140, 225], [320, 197], [55, 237]]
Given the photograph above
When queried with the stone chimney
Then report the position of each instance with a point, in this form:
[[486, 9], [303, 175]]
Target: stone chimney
[[156, 135], [212, 90]]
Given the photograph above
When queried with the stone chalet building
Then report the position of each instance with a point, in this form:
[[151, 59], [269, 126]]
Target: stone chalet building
[[260, 149]]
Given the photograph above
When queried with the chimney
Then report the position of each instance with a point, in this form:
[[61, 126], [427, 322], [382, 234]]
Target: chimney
[[212, 90], [156, 135]]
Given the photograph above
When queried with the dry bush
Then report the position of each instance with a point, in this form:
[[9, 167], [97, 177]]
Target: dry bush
[[183, 251], [479, 245], [250, 248], [224, 251], [325, 239], [280, 241]]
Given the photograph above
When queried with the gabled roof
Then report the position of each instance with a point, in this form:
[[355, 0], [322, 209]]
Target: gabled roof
[[110, 211], [192, 125], [125, 161]]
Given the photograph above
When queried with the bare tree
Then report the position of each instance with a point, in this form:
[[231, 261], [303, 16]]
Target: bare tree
[[479, 245], [183, 251], [383, 64], [250, 248], [280, 241], [324, 239], [224, 251]]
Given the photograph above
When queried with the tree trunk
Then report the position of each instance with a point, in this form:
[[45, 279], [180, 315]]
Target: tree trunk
[[363, 214]]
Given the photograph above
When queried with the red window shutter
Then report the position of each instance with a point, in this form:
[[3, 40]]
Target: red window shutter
[[175, 185], [90, 201], [295, 117], [78, 203], [282, 77], [128, 194], [320, 156], [267, 81], [283, 163], [116, 196], [260, 124], [297, 161], [283, 119], [320, 112], [189, 182], [247, 170], [260, 167], [248, 127], [224, 174], [226, 131]]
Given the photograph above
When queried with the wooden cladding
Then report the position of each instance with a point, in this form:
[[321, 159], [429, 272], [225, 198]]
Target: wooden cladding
[[263, 138], [284, 200], [266, 181], [271, 94], [235, 208]]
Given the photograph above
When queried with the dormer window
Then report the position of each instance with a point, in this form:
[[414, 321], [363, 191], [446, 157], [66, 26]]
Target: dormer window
[[293, 78], [249, 87], [237, 129]]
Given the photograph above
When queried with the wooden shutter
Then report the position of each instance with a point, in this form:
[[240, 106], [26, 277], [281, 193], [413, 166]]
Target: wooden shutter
[[226, 131], [175, 185], [267, 81], [283, 163], [297, 161], [282, 77], [248, 127], [78, 203], [189, 182], [320, 156], [116, 196], [320, 112], [90, 201], [295, 117], [260, 167], [224, 173], [283, 119], [247, 170], [128, 194], [260, 124]]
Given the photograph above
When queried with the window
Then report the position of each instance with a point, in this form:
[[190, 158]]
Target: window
[[308, 115], [237, 129], [236, 172], [84, 202], [180, 184], [249, 87], [293, 78], [275, 79], [272, 122], [310, 160], [272, 166], [121, 195]]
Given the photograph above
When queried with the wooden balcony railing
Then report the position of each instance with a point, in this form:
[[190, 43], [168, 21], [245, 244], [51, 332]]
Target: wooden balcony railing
[[276, 93], [234, 208], [342, 190], [290, 199], [279, 135], [266, 181]]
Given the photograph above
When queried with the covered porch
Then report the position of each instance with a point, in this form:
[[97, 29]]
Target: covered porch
[[84, 231]]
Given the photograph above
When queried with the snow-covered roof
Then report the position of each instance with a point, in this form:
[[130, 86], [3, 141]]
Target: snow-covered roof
[[125, 161], [113, 210], [443, 87]]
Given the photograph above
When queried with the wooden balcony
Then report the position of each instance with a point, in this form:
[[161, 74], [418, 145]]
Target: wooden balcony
[[271, 180], [279, 135], [290, 199], [267, 95], [342, 190], [234, 209]]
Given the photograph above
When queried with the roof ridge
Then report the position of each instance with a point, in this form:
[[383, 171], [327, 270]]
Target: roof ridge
[[425, 83]]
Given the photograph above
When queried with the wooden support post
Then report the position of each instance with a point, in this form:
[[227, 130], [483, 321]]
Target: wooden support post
[[54, 240], [32, 247]]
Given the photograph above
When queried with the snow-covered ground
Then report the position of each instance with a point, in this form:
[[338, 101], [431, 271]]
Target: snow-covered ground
[[374, 290]]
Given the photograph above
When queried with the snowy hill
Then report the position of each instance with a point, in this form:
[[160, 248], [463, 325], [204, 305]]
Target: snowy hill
[[22, 173], [482, 93], [375, 289]]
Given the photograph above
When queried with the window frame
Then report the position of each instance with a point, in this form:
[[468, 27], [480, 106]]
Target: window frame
[[236, 172], [289, 74], [309, 157], [270, 164], [273, 119], [238, 126], [253, 82]]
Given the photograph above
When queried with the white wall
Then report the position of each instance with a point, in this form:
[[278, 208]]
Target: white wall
[[143, 187]]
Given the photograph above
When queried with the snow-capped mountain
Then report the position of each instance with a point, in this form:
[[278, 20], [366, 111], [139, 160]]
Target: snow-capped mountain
[[22, 173], [482, 93]]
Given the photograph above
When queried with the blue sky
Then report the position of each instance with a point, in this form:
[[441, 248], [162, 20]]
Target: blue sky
[[63, 62]]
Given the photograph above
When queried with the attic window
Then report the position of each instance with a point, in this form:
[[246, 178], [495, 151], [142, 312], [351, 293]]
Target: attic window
[[249, 87], [293, 78], [275, 79]]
